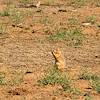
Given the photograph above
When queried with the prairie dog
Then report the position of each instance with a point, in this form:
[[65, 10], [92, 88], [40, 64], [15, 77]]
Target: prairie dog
[[59, 58]]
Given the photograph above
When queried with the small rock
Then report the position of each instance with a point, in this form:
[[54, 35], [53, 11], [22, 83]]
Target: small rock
[[38, 4], [74, 10], [86, 24]]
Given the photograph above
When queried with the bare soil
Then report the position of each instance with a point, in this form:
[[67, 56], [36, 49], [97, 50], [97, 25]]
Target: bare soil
[[26, 50]]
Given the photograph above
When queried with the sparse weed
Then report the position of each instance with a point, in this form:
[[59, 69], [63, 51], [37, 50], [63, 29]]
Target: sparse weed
[[16, 16], [17, 78], [7, 2], [25, 2], [5, 12], [75, 91], [14, 79], [96, 85], [2, 78], [77, 3], [73, 21], [59, 36], [88, 97], [3, 28], [73, 37], [91, 19], [53, 77], [44, 20], [49, 2], [94, 79], [86, 75]]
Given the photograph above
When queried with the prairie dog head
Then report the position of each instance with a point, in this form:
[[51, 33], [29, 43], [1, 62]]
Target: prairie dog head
[[57, 52]]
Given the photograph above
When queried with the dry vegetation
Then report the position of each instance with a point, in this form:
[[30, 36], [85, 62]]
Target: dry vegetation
[[30, 31]]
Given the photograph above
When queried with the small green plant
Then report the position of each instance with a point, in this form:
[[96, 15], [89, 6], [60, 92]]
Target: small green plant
[[88, 97], [17, 78], [2, 78], [93, 78], [91, 19], [5, 12], [58, 36], [16, 16], [44, 20], [13, 78], [49, 2], [75, 91], [96, 85], [77, 3], [3, 28], [54, 76], [72, 21], [74, 37], [88, 76], [25, 2], [97, 3]]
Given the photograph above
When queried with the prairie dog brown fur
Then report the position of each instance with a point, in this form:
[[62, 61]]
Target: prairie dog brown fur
[[59, 58]]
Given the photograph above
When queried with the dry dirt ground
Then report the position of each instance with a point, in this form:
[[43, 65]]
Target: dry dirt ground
[[27, 38]]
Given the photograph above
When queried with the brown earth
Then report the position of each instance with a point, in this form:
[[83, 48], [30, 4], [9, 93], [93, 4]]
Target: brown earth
[[25, 50]]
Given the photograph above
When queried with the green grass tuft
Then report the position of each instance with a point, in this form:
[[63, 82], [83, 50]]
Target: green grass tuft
[[91, 19], [88, 76], [88, 97], [3, 28], [78, 3], [96, 85], [2, 78], [72, 21], [53, 77], [5, 12], [73, 37]]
